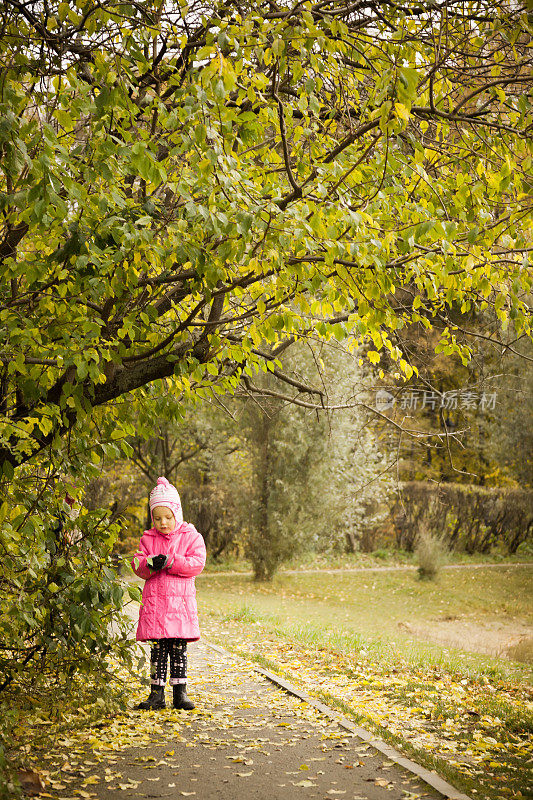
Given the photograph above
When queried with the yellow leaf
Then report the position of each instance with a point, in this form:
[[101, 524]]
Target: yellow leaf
[[401, 111]]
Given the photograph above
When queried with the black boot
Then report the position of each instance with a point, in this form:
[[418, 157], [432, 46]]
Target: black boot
[[180, 699], [155, 700]]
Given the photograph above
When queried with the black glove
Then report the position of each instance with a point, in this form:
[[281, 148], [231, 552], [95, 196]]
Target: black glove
[[157, 563]]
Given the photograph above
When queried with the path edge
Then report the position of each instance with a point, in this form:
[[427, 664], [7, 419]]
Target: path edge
[[431, 778]]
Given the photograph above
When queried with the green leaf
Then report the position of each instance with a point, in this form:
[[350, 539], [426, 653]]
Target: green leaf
[[135, 593], [8, 470]]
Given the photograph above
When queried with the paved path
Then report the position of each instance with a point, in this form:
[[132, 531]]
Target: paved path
[[246, 739]]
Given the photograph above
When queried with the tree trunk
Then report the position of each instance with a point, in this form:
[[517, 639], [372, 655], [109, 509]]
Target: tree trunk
[[351, 542]]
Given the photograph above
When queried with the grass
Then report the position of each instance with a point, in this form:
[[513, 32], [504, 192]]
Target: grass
[[377, 605], [383, 557], [463, 713]]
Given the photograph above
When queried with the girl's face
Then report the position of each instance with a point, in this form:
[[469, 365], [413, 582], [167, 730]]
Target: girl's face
[[163, 519]]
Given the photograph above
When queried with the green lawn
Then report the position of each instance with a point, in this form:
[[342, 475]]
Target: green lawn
[[342, 637], [377, 605]]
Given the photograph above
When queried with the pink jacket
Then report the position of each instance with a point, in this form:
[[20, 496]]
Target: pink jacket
[[168, 607]]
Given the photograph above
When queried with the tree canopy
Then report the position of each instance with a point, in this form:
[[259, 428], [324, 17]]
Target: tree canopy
[[187, 188]]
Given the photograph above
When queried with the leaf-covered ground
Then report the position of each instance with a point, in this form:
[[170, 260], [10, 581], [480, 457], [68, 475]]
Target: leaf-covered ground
[[245, 738], [466, 717], [476, 731]]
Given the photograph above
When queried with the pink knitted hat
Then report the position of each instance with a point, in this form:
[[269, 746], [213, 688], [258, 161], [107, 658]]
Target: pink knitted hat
[[164, 494]]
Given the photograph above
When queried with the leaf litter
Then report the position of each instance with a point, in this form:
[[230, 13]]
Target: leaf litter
[[437, 713], [88, 759]]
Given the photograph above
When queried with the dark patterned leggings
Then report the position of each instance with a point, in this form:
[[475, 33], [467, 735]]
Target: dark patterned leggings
[[162, 650]]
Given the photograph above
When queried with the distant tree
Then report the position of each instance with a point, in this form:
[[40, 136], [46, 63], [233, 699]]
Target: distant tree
[[195, 453], [284, 445], [509, 441], [320, 481], [362, 475], [471, 421]]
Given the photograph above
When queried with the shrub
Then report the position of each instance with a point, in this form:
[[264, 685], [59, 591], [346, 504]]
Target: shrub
[[430, 553], [472, 519], [60, 595]]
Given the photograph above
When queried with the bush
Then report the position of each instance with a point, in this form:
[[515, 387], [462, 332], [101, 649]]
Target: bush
[[430, 554], [62, 628], [471, 519]]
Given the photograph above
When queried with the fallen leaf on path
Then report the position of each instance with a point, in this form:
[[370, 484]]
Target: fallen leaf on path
[[91, 780], [31, 782]]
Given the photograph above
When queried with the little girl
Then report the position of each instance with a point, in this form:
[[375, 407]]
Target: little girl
[[170, 555]]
